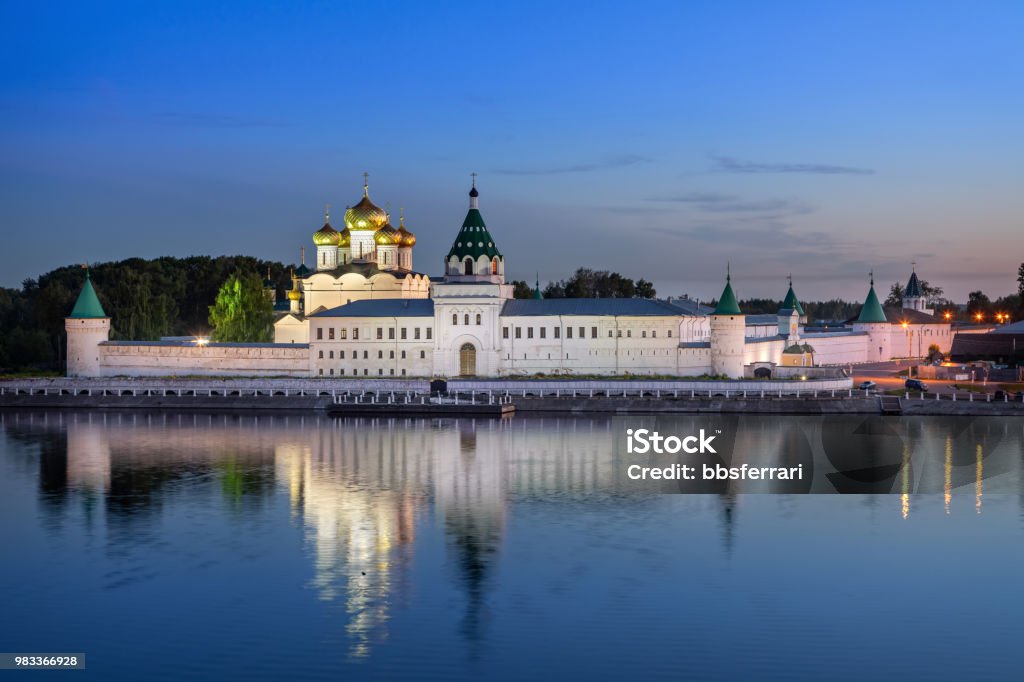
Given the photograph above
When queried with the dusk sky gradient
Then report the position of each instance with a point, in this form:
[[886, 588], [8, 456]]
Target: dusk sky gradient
[[657, 139]]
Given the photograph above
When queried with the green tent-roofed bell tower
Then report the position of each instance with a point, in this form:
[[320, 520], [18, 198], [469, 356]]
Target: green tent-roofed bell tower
[[87, 327], [872, 311], [474, 257], [728, 334]]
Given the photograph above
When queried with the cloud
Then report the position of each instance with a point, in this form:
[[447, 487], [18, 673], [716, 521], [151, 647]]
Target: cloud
[[605, 164], [209, 120], [714, 202], [728, 164]]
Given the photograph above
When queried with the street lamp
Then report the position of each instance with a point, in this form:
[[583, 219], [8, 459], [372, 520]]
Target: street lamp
[[978, 317], [910, 352], [948, 315]]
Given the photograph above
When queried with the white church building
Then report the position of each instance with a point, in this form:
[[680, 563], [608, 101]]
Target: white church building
[[363, 311]]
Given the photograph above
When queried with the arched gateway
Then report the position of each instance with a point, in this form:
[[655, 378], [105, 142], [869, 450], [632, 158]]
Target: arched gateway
[[467, 360]]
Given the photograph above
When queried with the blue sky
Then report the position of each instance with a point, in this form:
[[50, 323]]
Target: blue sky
[[657, 139]]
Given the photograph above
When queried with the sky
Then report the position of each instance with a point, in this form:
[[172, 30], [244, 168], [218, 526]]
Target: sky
[[660, 140]]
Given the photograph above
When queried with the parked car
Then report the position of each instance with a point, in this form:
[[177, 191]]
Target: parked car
[[916, 385], [867, 386], [1009, 396]]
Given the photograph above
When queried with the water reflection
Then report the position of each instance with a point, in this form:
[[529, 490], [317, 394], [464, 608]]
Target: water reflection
[[363, 491]]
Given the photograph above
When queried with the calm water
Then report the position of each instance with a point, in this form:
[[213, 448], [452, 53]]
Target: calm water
[[170, 546]]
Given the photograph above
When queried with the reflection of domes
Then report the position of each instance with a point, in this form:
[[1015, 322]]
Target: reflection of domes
[[365, 215], [326, 236], [346, 238]]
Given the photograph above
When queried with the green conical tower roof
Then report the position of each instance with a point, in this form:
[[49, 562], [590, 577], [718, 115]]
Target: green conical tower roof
[[88, 303], [727, 304], [536, 290], [473, 240], [913, 286], [872, 310], [791, 300]]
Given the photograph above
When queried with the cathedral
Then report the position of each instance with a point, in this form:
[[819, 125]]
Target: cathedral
[[364, 311]]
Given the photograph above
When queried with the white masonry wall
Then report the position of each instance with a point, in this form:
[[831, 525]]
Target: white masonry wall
[[141, 359]]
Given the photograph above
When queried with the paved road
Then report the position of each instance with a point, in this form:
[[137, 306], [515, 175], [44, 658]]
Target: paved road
[[885, 375]]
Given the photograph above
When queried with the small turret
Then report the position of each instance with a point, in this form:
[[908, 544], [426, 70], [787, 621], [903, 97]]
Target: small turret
[[474, 256], [728, 334], [872, 321], [87, 327]]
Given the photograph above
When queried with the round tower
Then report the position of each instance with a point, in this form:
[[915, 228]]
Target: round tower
[[87, 327], [872, 321], [728, 334]]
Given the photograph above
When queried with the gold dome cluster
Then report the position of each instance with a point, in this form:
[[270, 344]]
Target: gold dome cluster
[[406, 237], [327, 236], [387, 235]]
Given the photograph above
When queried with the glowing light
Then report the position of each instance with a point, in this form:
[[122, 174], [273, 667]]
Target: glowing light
[[947, 487], [905, 325], [949, 315], [977, 479], [202, 341]]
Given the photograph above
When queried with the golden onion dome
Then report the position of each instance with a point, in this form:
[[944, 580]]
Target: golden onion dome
[[326, 235], [365, 215], [387, 235], [406, 238], [346, 238], [294, 294]]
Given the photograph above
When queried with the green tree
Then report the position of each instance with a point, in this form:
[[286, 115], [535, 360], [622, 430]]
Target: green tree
[[242, 312], [895, 297], [645, 289], [978, 304], [521, 289]]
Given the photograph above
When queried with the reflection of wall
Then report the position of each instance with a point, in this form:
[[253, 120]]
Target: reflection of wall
[[88, 456]]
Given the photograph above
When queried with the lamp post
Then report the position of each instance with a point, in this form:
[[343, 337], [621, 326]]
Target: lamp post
[[910, 336]]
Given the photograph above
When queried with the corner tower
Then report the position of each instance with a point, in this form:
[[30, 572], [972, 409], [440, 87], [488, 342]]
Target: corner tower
[[873, 322], [913, 295], [728, 334], [87, 327], [474, 256]]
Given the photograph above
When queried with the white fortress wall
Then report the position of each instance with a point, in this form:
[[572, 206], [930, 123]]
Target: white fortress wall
[[140, 358]]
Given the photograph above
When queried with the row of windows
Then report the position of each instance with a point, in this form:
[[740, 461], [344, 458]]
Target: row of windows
[[465, 319], [569, 330], [366, 355], [342, 333], [366, 372]]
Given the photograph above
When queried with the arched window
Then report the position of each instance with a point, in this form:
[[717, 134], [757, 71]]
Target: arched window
[[468, 266], [494, 266], [478, 318], [455, 319], [466, 318]]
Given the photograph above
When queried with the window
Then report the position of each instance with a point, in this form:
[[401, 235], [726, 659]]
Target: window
[[583, 333], [430, 331], [468, 266], [332, 371], [341, 371], [365, 371], [404, 335], [568, 332], [494, 266], [365, 355], [654, 333], [330, 333], [629, 333], [341, 354], [321, 372], [558, 332], [403, 355], [391, 333], [504, 332], [644, 334], [319, 333], [529, 332], [455, 319], [670, 333], [355, 334], [609, 333], [519, 332], [343, 333], [380, 371], [392, 371], [416, 333], [466, 318], [403, 372], [392, 355], [593, 333], [321, 355], [423, 354], [478, 318], [543, 332], [332, 355], [380, 355], [380, 333]]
